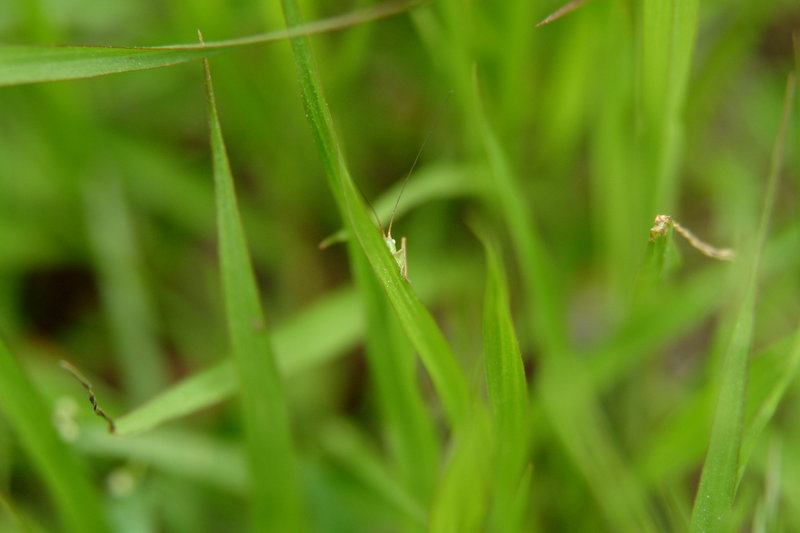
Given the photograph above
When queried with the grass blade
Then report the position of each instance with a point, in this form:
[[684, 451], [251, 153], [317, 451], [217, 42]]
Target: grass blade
[[196, 392], [668, 35], [507, 388], [417, 322], [770, 404], [461, 502], [211, 461], [721, 469], [76, 501], [564, 383], [275, 486], [408, 426], [125, 293], [35, 64], [540, 281]]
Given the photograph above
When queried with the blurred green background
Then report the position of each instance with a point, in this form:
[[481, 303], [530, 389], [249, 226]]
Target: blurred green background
[[603, 119]]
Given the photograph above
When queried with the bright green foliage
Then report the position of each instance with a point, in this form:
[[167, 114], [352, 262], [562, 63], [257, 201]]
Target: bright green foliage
[[566, 371], [416, 320], [31, 64], [274, 476], [508, 395], [721, 470]]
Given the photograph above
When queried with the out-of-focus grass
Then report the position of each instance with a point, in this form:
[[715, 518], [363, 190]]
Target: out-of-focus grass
[[570, 381]]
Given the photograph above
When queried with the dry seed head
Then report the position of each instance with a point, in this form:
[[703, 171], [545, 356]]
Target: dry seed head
[[92, 399], [661, 225]]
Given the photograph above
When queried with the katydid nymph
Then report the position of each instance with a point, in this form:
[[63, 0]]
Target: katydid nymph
[[399, 254]]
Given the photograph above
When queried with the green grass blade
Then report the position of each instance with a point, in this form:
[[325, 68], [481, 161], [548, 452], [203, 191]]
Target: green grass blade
[[505, 373], [507, 389], [668, 34], [192, 456], [74, 497], [276, 500], [542, 293], [408, 426], [417, 322], [35, 64], [461, 500], [124, 290], [770, 404], [721, 469], [196, 392]]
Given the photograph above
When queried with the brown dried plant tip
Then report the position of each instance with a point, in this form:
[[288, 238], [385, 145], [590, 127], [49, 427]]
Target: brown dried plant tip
[[662, 224], [563, 10], [88, 386]]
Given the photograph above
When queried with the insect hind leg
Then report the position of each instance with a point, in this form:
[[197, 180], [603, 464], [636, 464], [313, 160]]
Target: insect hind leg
[[401, 258]]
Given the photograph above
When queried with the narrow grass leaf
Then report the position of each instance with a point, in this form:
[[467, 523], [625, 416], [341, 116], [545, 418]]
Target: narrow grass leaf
[[276, 502], [406, 422], [461, 500], [668, 35], [507, 388], [123, 287], [789, 371], [76, 500], [35, 64], [200, 390], [770, 404], [720, 475], [189, 455], [539, 279], [417, 322], [505, 373]]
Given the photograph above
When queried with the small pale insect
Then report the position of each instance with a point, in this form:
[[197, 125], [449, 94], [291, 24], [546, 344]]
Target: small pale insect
[[400, 253]]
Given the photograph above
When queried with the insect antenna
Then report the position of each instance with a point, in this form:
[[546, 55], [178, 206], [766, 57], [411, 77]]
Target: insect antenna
[[374, 213], [408, 176]]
